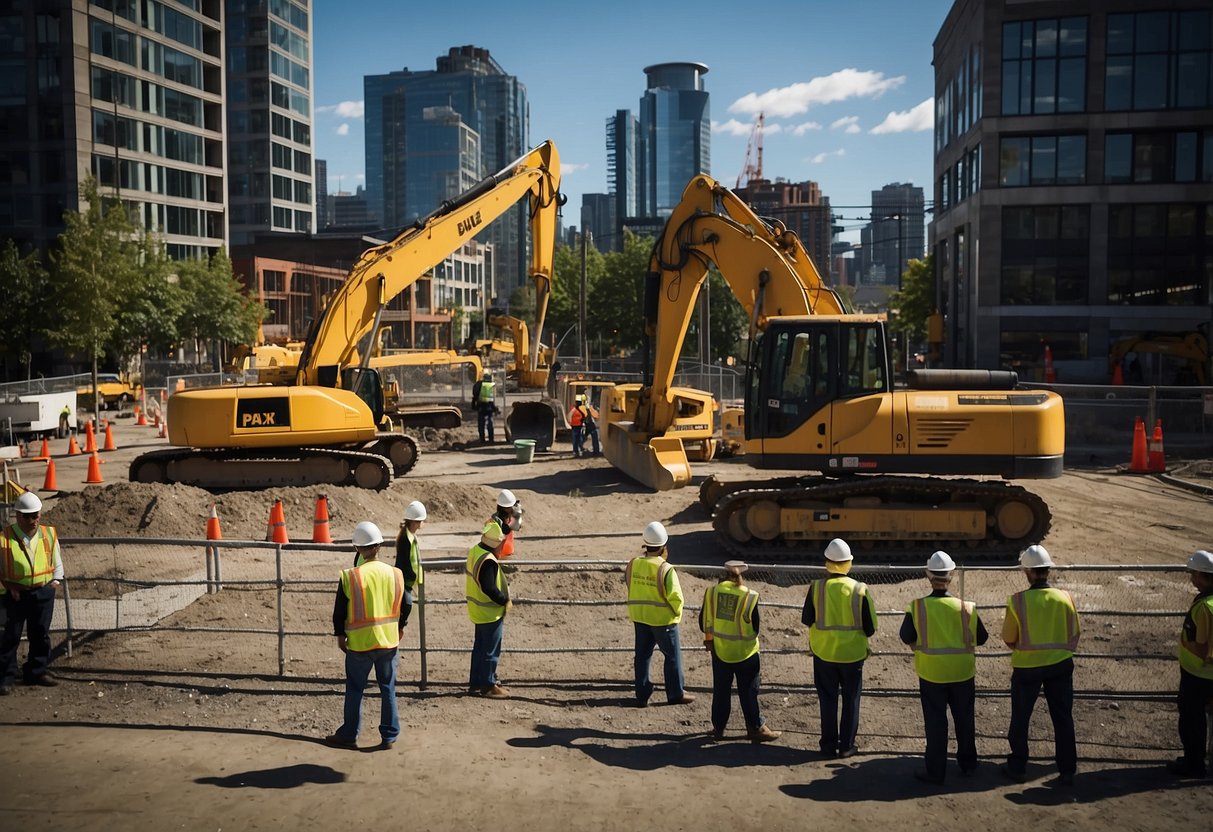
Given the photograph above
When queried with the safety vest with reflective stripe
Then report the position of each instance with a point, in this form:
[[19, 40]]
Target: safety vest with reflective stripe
[[28, 563], [1189, 655], [414, 559], [1048, 626], [649, 601], [487, 389], [836, 634], [481, 608], [507, 545], [375, 592], [947, 638], [729, 621]]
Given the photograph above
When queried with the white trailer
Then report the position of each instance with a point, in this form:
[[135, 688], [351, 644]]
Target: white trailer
[[35, 415]]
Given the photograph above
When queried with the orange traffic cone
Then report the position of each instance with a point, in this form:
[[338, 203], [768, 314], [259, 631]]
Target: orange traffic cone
[[156, 419], [276, 531], [1118, 375], [94, 470], [45, 453], [1157, 460], [1139, 463], [141, 422], [73, 449], [90, 438], [50, 484], [320, 523], [109, 438], [213, 532], [1050, 373]]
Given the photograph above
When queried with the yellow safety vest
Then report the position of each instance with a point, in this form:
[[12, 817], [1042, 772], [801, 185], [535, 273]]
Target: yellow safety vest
[[836, 634], [1048, 626], [375, 592], [414, 560], [947, 639], [481, 608], [1189, 659], [487, 389], [648, 600], [728, 620], [31, 563]]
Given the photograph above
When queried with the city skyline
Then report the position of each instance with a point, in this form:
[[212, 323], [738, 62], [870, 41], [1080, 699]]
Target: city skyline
[[852, 114]]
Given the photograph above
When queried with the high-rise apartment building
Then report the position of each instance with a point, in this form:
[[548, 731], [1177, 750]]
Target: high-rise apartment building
[[623, 158], [598, 218], [675, 135], [271, 178], [1073, 164], [324, 207], [895, 233], [800, 207], [129, 91], [431, 133]]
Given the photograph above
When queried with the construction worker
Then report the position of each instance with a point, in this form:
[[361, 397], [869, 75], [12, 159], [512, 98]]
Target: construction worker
[[576, 420], [1195, 670], [368, 623], [945, 632], [584, 420], [655, 608], [33, 570], [483, 398], [1041, 628], [408, 559], [730, 624], [841, 617], [508, 518], [488, 599]]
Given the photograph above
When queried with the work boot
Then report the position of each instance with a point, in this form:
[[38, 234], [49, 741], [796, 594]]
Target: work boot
[[763, 734], [1181, 768], [45, 680], [496, 692], [339, 742], [685, 699], [385, 745], [5, 690]]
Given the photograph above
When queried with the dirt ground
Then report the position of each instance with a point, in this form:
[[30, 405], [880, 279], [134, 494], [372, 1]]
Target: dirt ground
[[197, 731]]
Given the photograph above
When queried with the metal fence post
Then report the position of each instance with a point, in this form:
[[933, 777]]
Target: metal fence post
[[210, 567], [421, 627], [67, 610], [218, 568], [281, 625]]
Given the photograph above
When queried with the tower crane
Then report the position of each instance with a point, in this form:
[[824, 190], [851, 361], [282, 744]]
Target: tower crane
[[753, 155]]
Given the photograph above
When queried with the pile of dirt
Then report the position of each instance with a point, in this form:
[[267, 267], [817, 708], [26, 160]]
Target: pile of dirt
[[444, 439]]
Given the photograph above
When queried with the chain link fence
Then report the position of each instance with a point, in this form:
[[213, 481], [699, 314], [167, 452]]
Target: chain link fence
[[244, 607]]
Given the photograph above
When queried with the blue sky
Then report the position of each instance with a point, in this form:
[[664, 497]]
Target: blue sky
[[846, 87]]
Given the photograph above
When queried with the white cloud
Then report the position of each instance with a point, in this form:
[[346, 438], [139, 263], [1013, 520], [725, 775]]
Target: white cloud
[[916, 120], [805, 127], [345, 109], [343, 130], [733, 127], [821, 157], [824, 89], [567, 168], [851, 123]]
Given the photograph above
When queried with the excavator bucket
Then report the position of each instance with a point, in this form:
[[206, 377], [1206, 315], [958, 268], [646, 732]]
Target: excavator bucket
[[659, 463], [532, 420]]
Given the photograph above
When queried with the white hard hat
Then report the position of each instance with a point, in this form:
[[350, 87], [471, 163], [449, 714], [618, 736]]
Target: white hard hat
[[414, 510], [579, 397], [654, 534], [940, 562], [366, 534], [506, 499], [735, 566], [28, 503], [492, 536], [838, 551], [1035, 557], [488, 374], [1201, 561]]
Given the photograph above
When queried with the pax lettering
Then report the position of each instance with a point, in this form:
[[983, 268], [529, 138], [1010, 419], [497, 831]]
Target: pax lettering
[[259, 420], [468, 223]]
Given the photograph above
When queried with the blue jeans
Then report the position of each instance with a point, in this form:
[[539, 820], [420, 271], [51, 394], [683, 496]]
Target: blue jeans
[[33, 613], [486, 652], [592, 433], [577, 440], [357, 671], [484, 421], [830, 679], [666, 638]]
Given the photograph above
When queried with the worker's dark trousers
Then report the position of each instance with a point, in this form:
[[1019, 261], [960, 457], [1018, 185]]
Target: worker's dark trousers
[[747, 675], [484, 422], [1195, 694], [831, 678], [937, 698], [34, 608], [1058, 683]]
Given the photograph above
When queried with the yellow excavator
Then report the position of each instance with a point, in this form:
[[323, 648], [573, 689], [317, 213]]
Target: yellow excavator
[[819, 398], [327, 426]]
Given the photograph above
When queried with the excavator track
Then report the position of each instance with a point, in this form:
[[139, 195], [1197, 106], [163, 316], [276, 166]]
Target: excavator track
[[892, 519], [398, 448], [240, 468]]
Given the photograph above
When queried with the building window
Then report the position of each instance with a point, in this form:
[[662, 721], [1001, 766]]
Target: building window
[[1042, 160], [1045, 258], [1160, 254], [1181, 156], [1159, 60], [1044, 66], [282, 218]]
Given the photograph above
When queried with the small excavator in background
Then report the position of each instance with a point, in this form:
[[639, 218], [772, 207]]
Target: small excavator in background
[[1163, 358], [329, 425], [819, 397]]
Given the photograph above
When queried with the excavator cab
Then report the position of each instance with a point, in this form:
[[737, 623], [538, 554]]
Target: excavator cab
[[366, 385]]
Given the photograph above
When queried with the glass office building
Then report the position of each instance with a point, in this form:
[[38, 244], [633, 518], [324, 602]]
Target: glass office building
[[675, 135]]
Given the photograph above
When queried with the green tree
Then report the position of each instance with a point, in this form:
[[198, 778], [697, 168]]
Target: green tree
[[23, 314], [728, 321], [616, 312], [563, 311], [916, 300], [217, 309], [151, 305]]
